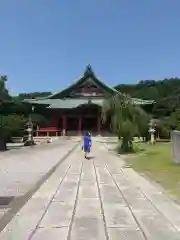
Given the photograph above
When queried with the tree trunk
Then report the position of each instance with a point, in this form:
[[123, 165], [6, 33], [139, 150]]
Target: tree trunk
[[3, 146], [126, 145]]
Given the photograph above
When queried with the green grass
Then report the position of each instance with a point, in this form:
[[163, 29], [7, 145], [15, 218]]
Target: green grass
[[156, 162]]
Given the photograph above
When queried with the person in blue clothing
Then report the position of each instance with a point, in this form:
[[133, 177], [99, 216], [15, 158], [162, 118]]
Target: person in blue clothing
[[86, 144]]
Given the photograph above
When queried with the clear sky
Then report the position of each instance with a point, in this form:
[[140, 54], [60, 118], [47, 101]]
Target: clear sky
[[46, 44]]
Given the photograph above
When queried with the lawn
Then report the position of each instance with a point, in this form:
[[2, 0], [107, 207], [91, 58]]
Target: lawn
[[156, 162]]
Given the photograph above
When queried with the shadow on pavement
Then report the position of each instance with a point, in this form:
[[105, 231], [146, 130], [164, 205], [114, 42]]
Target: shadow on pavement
[[90, 157]]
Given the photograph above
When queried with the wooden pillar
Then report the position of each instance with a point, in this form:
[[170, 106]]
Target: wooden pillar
[[80, 125], [37, 133], [98, 124], [64, 124], [56, 121]]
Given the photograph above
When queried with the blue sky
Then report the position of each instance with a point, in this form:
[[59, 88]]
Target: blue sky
[[46, 44]]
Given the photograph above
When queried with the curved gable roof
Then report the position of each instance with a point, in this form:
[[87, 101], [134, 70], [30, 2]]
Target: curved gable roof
[[59, 98], [88, 73]]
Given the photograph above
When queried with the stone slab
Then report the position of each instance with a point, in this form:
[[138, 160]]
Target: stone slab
[[111, 195], [124, 234], [119, 217], [51, 233], [88, 207], [67, 191], [114, 168], [88, 222], [88, 191], [103, 176], [167, 207], [20, 227], [155, 226], [21, 169], [140, 204], [30, 215], [122, 181], [50, 186], [58, 215], [88, 228], [76, 168]]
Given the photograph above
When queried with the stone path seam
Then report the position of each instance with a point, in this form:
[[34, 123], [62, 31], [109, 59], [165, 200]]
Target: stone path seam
[[101, 203], [140, 228], [51, 200], [155, 207], [18, 203], [164, 215], [75, 205], [158, 210], [93, 199]]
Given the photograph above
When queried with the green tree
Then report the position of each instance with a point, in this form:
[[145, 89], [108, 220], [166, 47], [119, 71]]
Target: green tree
[[23, 96], [11, 115], [13, 125], [126, 119], [166, 94], [4, 93], [4, 97]]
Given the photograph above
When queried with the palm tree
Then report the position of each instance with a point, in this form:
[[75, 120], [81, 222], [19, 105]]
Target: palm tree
[[126, 118]]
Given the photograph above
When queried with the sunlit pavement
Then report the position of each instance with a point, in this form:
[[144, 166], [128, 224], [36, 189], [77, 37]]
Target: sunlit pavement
[[95, 199]]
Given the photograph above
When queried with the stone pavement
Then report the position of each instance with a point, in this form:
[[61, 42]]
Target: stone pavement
[[20, 169], [95, 199]]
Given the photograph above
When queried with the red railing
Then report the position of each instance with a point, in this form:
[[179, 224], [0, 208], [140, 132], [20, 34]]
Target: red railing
[[47, 129]]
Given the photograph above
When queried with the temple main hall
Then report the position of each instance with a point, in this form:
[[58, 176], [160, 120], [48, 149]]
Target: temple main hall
[[77, 108]]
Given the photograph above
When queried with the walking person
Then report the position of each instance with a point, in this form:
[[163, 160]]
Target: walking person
[[86, 146]]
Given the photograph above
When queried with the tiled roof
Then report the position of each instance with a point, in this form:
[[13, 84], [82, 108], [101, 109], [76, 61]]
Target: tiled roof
[[87, 73], [74, 103], [56, 100]]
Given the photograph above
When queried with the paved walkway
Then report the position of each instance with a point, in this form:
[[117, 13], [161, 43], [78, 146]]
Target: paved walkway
[[20, 169], [95, 199]]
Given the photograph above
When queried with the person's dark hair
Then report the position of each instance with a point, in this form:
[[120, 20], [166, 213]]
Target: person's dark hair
[[87, 134]]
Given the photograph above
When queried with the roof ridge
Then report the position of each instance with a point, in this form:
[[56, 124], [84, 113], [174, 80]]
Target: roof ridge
[[69, 85], [107, 85], [87, 73]]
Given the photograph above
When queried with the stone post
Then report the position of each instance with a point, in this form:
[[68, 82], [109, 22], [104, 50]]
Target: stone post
[[152, 132], [175, 140]]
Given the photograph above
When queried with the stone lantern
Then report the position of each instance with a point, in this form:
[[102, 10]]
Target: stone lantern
[[152, 131], [30, 140]]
